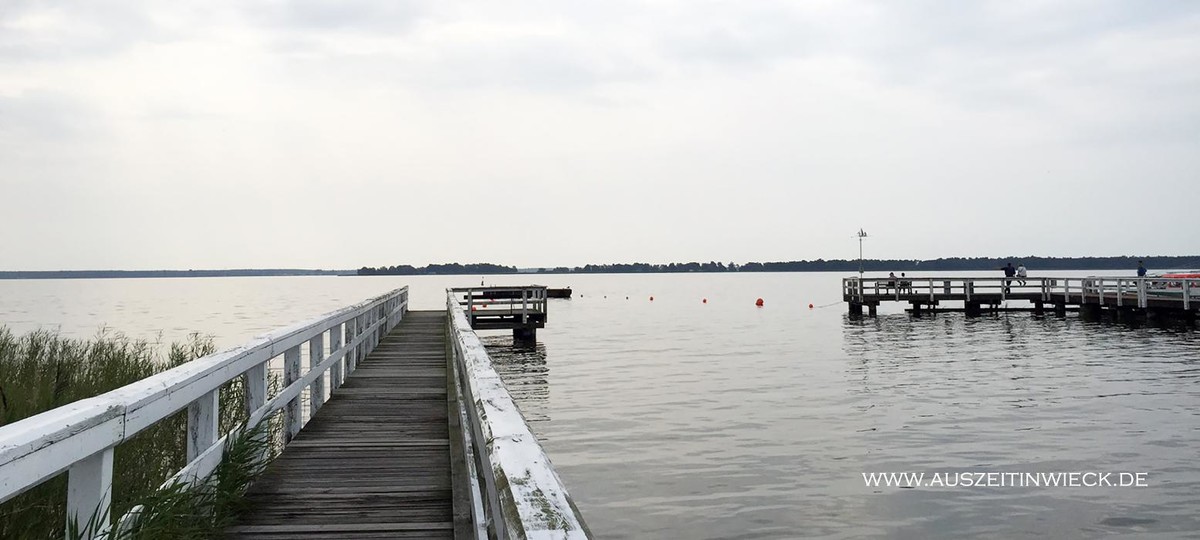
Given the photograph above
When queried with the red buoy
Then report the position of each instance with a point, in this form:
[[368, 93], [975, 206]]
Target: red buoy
[[651, 298], [810, 306], [705, 301], [473, 308], [759, 302]]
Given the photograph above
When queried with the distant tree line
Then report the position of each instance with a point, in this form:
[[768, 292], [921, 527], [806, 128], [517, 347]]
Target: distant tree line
[[819, 265], [109, 274], [437, 269]]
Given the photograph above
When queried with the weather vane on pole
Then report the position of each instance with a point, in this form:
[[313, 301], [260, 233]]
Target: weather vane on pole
[[861, 234]]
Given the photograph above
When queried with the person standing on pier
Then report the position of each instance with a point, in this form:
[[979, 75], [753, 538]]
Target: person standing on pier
[[1009, 272], [1021, 274], [1141, 270]]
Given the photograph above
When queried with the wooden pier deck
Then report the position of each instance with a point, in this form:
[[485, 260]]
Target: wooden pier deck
[[1118, 297], [419, 438], [374, 461]]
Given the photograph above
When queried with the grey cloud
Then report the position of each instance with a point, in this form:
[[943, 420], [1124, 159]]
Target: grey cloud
[[358, 15], [46, 117]]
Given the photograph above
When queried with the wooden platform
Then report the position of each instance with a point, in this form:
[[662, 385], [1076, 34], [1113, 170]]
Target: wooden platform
[[374, 462], [1124, 296]]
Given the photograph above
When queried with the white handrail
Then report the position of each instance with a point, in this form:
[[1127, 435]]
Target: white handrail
[[80, 437], [515, 491]]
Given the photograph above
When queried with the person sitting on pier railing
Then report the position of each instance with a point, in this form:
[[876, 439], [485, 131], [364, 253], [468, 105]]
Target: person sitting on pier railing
[[891, 282], [1009, 272], [1022, 273], [905, 285]]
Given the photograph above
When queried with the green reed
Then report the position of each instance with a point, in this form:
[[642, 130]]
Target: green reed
[[43, 370]]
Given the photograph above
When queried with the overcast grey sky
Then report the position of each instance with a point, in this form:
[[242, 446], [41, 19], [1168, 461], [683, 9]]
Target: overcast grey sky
[[336, 134]]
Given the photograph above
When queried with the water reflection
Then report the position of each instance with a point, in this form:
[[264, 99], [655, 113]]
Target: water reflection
[[526, 375], [1022, 394]]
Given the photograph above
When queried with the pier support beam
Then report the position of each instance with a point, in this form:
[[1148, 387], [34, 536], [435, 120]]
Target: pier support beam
[[856, 309], [972, 309], [1060, 309], [873, 310], [1039, 308], [525, 337]]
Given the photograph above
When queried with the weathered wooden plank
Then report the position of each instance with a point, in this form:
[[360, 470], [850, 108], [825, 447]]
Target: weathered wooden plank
[[374, 460]]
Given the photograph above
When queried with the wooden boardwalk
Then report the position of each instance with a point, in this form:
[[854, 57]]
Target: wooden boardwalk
[[374, 462], [1118, 296]]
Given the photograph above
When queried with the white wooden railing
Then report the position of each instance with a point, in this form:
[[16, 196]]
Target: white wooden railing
[[80, 437], [515, 492], [523, 301], [1115, 291]]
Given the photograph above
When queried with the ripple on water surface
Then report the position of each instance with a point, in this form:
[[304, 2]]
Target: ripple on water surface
[[715, 427]]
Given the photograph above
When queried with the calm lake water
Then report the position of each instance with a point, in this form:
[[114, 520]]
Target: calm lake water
[[673, 418]]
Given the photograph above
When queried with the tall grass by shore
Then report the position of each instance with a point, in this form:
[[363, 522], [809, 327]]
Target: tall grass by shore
[[42, 370]]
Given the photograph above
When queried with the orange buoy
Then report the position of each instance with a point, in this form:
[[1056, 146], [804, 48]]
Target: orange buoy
[[810, 306], [759, 302]]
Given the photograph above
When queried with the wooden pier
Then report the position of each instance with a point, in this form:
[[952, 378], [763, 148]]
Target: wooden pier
[[375, 461], [522, 310], [396, 426], [1116, 298]]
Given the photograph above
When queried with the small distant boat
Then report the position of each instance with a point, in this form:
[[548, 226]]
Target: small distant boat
[[1173, 287], [505, 294]]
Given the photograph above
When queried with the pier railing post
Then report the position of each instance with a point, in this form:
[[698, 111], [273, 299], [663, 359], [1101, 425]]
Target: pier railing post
[[255, 381], [1187, 293], [89, 495], [316, 390], [292, 417], [352, 354], [202, 416], [335, 343]]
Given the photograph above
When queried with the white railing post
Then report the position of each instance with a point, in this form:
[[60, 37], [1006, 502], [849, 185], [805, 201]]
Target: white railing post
[[1187, 293], [89, 494], [202, 419], [524, 306], [292, 417], [335, 343], [1120, 292], [352, 354], [1100, 289], [1141, 293], [255, 380], [316, 390]]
